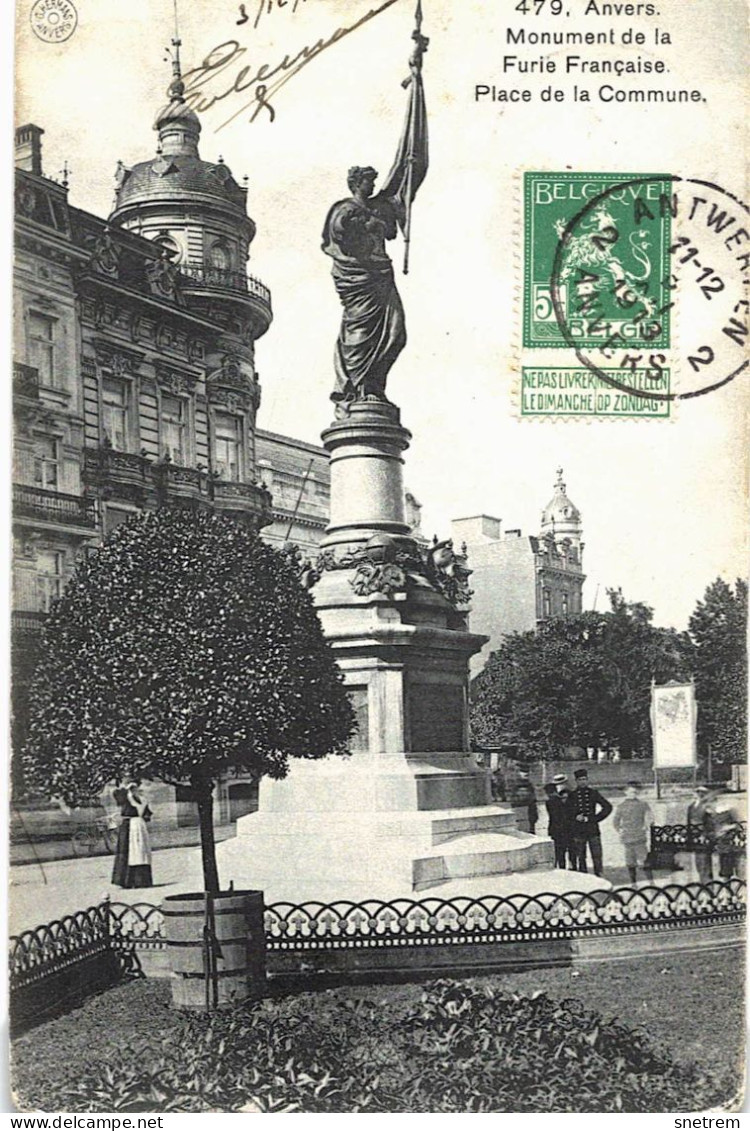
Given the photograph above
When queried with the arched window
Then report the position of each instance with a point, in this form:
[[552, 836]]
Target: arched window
[[219, 257]]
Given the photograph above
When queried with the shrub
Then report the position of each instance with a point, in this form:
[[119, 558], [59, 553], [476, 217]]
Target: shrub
[[461, 1048]]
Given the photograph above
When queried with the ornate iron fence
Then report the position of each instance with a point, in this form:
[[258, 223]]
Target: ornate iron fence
[[498, 919], [52, 947], [688, 838], [123, 928], [138, 924]]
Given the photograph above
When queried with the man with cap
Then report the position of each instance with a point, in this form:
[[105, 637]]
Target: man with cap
[[633, 819], [587, 810], [725, 832]]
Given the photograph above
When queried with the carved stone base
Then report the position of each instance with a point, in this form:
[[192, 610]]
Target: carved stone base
[[409, 810]]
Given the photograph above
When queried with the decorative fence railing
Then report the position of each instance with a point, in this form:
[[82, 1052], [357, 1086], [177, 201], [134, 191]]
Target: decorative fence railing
[[52, 947], [202, 275], [498, 919], [121, 928], [688, 838], [53, 506]]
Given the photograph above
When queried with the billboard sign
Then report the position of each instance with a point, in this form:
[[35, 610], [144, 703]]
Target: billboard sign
[[674, 714]]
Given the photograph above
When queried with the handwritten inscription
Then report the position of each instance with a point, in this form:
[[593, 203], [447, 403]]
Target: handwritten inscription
[[220, 77], [267, 7]]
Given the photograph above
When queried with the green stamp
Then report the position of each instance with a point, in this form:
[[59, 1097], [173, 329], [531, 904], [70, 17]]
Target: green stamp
[[596, 260], [576, 392]]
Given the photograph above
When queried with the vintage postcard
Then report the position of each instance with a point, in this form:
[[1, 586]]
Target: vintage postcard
[[380, 391]]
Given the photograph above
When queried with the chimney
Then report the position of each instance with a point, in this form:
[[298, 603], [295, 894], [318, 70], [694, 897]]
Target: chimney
[[29, 149], [476, 530]]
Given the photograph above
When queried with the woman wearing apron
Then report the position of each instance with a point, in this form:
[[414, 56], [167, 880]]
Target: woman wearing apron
[[132, 866]]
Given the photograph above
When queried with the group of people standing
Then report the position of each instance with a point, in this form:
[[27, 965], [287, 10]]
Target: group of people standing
[[574, 819], [575, 814]]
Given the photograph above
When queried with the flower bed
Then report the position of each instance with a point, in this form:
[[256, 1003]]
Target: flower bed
[[445, 1047]]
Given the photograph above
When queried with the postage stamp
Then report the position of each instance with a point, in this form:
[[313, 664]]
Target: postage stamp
[[608, 257], [642, 280]]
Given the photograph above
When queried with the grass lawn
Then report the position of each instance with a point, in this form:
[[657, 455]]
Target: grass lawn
[[692, 1005]]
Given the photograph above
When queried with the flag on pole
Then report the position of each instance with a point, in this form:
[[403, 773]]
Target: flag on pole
[[410, 165]]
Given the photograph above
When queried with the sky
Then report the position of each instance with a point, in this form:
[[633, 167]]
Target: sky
[[663, 502]]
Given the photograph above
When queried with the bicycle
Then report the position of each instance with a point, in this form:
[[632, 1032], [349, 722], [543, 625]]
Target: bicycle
[[85, 839]]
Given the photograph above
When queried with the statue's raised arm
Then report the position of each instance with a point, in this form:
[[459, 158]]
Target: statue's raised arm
[[373, 330]]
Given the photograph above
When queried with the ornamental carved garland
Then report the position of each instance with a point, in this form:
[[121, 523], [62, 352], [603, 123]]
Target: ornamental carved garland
[[173, 381], [388, 565]]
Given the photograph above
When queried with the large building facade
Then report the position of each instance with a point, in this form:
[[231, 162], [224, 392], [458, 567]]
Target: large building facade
[[134, 377], [519, 581]]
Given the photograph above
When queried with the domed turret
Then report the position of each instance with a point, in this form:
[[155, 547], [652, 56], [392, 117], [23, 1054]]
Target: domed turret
[[179, 127], [561, 518], [197, 211]]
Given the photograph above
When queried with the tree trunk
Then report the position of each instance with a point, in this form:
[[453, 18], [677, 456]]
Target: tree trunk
[[204, 795]]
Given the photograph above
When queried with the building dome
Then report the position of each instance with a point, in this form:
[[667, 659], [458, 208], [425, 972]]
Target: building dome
[[177, 171], [179, 176], [197, 212], [178, 112], [560, 511]]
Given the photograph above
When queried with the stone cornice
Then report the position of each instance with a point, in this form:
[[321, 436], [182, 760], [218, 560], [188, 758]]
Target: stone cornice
[[177, 313]]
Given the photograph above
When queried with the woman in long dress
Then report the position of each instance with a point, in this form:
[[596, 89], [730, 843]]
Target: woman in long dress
[[132, 866], [373, 327]]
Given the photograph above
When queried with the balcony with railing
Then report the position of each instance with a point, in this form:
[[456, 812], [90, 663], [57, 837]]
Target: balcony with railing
[[173, 481], [27, 622], [204, 277], [105, 466], [138, 478], [53, 506], [25, 381], [249, 500]]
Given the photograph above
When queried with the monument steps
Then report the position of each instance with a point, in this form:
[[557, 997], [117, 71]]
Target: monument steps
[[450, 824], [536, 881], [481, 854]]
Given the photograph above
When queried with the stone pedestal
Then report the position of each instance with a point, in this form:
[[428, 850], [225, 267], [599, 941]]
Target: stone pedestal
[[409, 811], [367, 483]]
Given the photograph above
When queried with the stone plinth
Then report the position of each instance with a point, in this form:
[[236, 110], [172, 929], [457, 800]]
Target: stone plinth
[[409, 811], [367, 483]]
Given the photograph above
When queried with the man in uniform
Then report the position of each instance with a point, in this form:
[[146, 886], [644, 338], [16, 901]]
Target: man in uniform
[[587, 810], [562, 785]]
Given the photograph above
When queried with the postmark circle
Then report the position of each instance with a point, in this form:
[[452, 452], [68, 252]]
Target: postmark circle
[[53, 21], [701, 218]]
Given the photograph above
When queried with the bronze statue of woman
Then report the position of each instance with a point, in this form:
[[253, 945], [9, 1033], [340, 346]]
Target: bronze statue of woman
[[373, 328]]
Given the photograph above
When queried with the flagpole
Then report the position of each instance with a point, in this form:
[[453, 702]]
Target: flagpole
[[416, 62]]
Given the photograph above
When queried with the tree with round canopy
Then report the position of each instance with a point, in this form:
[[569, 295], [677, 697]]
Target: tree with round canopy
[[183, 649]]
